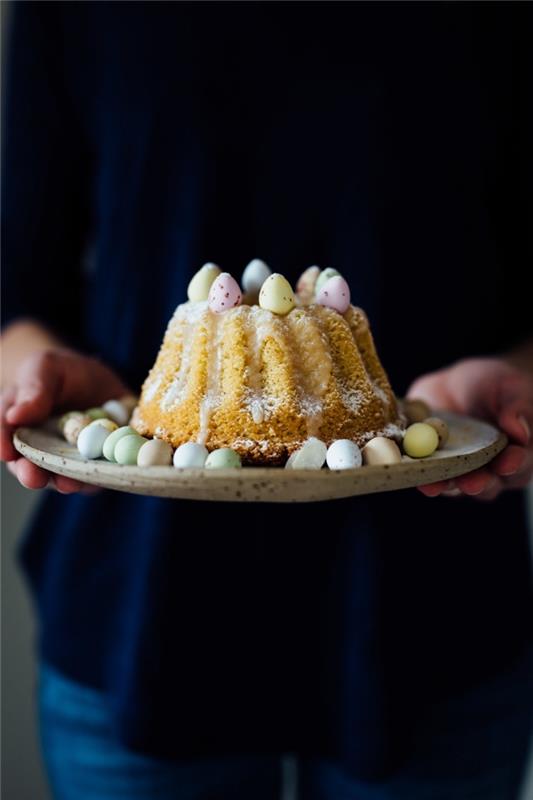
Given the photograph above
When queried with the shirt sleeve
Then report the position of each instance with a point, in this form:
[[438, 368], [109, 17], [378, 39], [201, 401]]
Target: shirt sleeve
[[45, 170]]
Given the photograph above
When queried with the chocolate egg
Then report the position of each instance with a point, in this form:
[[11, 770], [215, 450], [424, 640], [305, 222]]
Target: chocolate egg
[[443, 432], [224, 294], [420, 440], [344, 454], [276, 295], [201, 283], [127, 449], [223, 458], [91, 440], [190, 456], [381, 450], [324, 277], [335, 294], [154, 453], [254, 276], [111, 441]]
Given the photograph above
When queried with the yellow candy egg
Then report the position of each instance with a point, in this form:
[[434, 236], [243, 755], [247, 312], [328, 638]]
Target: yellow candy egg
[[276, 295], [200, 284], [441, 428], [420, 440]]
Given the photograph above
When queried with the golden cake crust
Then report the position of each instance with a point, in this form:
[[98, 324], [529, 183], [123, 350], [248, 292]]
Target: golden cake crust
[[262, 384]]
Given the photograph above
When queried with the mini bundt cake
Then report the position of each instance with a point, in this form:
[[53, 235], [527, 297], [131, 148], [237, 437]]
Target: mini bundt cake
[[262, 383]]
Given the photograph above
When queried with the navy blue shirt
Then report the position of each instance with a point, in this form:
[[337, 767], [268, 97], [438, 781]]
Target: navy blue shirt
[[388, 141]]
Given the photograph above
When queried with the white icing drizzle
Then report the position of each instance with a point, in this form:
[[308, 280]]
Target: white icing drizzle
[[186, 319], [215, 344]]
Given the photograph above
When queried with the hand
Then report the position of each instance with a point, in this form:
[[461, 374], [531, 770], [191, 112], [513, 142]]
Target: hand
[[493, 390], [46, 382]]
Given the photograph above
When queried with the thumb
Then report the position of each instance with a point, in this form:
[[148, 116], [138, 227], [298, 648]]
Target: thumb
[[515, 411], [37, 387]]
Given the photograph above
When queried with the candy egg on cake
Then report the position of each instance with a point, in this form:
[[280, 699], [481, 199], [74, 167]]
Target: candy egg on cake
[[201, 283]]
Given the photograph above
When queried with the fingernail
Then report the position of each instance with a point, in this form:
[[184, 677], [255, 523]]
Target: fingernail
[[524, 423]]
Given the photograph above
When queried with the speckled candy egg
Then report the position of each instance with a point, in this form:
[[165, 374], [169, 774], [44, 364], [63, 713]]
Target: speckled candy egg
[[223, 458], [324, 277], [190, 456], [311, 455], [276, 295], [74, 426], [381, 450], [127, 449], [129, 401], [111, 441], [305, 288], [344, 454], [91, 440], [255, 275], [225, 293], [117, 411], [335, 294], [415, 410], [108, 424], [443, 432], [154, 453], [201, 283], [420, 440]]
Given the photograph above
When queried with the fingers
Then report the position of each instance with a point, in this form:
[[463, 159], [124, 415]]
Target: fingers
[[31, 476], [516, 420], [37, 386], [7, 451]]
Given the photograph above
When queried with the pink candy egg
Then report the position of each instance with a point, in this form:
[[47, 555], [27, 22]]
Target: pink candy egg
[[335, 294], [224, 294]]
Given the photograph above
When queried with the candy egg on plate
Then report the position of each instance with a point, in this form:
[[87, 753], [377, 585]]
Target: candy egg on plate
[[311, 455], [117, 411], [344, 454], [127, 449], [415, 410], [74, 426], [111, 441], [154, 452], [97, 413], [381, 450], [443, 432], [420, 440], [91, 440], [223, 458], [190, 456]]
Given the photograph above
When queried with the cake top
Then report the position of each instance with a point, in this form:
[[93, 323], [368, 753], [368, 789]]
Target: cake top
[[271, 291]]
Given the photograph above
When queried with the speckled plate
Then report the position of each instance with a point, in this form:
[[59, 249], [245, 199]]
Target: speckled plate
[[471, 444]]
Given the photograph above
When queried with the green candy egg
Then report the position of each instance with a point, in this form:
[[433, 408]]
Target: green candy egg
[[113, 438], [324, 277], [97, 413], [420, 440], [225, 458], [127, 449]]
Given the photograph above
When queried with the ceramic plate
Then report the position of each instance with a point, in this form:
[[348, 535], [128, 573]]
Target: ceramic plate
[[471, 444]]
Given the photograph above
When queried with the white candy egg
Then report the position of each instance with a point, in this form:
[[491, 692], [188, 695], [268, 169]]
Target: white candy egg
[[311, 455], [276, 295], [344, 454], [305, 288], [91, 440], [190, 455], [381, 450], [224, 294], [200, 284], [154, 453], [255, 275], [117, 411]]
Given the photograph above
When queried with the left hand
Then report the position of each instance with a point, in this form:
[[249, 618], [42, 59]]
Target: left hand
[[493, 390]]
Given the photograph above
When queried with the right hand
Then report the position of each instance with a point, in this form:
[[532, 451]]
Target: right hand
[[46, 382]]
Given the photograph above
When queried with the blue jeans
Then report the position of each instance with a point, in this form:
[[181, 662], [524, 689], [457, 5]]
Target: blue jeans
[[472, 748]]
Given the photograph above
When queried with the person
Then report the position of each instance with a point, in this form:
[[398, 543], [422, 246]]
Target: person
[[385, 640]]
